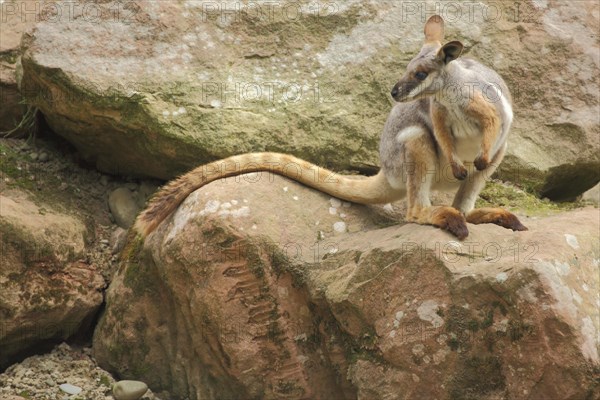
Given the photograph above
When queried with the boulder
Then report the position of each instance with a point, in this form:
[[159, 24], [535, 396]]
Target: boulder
[[257, 287], [13, 24], [188, 82], [49, 292]]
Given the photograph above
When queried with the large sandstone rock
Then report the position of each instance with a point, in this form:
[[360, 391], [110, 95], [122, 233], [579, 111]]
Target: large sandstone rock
[[258, 287], [186, 82], [12, 25], [49, 293]]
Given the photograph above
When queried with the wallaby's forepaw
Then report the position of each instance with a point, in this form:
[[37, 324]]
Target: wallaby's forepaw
[[481, 163], [496, 216], [451, 220], [459, 171]]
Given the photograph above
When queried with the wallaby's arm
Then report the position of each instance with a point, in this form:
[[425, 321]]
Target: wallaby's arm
[[443, 135], [485, 113]]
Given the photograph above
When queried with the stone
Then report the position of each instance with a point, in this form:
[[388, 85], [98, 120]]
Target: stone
[[70, 389], [123, 206], [129, 390], [44, 157], [11, 30], [383, 305], [592, 195], [324, 81], [48, 293]]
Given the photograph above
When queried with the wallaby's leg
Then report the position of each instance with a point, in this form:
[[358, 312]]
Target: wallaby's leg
[[420, 172], [467, 195]]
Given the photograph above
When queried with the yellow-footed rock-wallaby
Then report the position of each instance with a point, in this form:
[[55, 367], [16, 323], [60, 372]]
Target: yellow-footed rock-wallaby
[[452, 113]]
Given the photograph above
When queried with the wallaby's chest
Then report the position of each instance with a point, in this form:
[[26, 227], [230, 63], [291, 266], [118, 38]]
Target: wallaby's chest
[[467, 134], [463, 126]]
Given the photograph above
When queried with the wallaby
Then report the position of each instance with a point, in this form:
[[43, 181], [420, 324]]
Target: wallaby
[[451, 112]]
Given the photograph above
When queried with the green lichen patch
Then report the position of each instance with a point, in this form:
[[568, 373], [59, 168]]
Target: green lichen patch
[[501, 194]]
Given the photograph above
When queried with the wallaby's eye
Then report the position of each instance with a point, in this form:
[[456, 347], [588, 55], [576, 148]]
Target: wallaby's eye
[[421, 75]]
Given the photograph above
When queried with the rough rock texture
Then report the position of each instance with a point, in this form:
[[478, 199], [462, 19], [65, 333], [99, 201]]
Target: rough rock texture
[[49, 292], [189, 81], [304, 296], [12, 26]]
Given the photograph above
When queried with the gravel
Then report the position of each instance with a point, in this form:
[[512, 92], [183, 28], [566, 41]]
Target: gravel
[[40, 377]]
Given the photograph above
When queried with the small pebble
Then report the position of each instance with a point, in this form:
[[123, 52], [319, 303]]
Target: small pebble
[[70, 389], [34, 156], [44, 157], [104, 180], [129, 390]]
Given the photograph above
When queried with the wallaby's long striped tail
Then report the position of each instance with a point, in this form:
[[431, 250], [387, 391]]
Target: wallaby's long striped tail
[[372, 190]]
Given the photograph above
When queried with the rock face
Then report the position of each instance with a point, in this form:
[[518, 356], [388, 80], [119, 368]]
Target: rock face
[[304, 296], [48, 292], [12, 26], [187, 82]]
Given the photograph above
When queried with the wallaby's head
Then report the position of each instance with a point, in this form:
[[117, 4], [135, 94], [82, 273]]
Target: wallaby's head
[[425, 74]]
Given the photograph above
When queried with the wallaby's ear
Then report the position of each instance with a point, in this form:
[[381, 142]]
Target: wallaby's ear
[[450, 51], [434, 29]]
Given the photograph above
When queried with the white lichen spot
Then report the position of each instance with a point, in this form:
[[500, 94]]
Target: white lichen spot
[[418, 350], [416, 378], [175, 113], [215, 104], [181, 110], [166, 113], [427, 311], [332, 210], [502, 277], [295, 198], [333, 250], [342, 215], [456, 245], [576, 296], [392, 333], [339, 226], [563, 269], [337, 203], [254, 227], [388, 207], [234, 202], [241, 212], [426, 359], [590, 339], [245, 200], [396, 323], [572, 241], [585, 287], [595, 262], [502, 326], [210, 207], [285, 188], [226, 205], [439, 356]]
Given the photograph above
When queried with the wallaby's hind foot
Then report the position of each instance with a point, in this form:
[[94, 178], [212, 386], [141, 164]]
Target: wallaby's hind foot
[[446, 218], [496, 216]]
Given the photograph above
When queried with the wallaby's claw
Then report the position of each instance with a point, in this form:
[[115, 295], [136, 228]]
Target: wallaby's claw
[[459, 171], [481, 163]]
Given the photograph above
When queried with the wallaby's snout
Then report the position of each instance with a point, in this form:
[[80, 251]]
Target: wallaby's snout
[[395, 92]]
